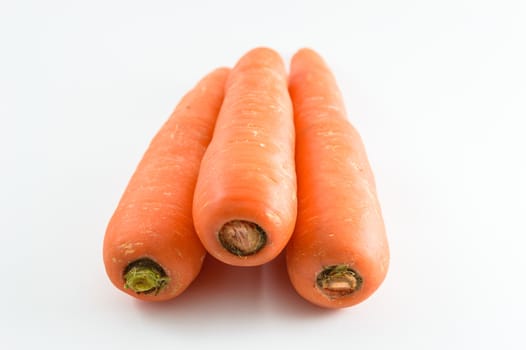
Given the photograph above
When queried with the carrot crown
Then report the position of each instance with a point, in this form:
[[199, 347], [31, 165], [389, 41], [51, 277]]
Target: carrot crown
[[145, 276]]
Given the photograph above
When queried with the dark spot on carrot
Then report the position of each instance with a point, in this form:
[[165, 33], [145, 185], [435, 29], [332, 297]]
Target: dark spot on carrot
[[145, 276], [336, 281], [242, 237]]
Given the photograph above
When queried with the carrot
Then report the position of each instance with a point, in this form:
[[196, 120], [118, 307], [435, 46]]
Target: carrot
[[151, 250], [338, 254], [245, 199]]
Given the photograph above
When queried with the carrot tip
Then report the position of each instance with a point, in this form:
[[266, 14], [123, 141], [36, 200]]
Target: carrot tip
[[336, 281], [145, 276], [242, 237]]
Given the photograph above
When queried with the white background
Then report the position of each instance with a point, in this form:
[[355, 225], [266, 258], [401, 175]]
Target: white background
[[436, 88]]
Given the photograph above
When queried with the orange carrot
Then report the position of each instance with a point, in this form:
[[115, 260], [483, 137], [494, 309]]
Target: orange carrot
[[151, 250], [338, 255], [245, 199]]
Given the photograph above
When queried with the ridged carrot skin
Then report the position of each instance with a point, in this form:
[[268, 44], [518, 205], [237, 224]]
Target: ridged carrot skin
[[245, 200], [151, 250], [338, 255]]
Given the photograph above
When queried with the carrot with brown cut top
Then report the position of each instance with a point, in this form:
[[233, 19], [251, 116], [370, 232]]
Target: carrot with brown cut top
[[338, 255], [245, 199], [151, 250]]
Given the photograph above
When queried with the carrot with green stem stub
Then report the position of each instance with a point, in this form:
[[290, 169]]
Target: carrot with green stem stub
[[151, 250], [245, 200], [338, 255]]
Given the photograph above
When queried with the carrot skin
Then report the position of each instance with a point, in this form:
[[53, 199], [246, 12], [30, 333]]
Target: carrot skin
[[338, 255], [152, 224], [247, 180]]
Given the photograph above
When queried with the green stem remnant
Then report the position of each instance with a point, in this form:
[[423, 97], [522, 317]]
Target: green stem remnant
[[145, 276], [242, 237], [337, 281]]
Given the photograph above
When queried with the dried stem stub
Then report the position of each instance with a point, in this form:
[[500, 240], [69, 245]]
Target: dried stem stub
[[145, 276], [242, 238], [337, 281]]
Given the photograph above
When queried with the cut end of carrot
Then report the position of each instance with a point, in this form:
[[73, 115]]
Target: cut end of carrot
[[145, 276], [242, 238], [336, 281]]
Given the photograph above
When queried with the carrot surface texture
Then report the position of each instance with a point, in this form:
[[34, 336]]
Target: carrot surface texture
[[151, 250], [245, 203], [338, 255]]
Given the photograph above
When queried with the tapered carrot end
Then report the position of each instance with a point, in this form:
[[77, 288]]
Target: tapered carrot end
[[218, 74], [309, 52], [312, 81], [263, 52], [261, 57], [220, 71], [306, 58]]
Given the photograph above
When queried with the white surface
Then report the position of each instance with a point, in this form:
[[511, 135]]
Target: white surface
[[436, 88]]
